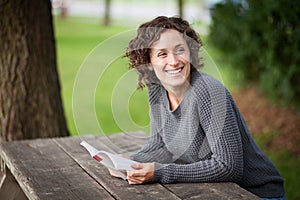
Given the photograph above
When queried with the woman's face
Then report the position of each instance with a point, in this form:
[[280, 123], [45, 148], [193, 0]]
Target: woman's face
[[170, 59]]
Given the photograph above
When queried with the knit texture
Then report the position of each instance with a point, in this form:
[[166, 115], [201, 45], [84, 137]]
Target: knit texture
[[205, 139]]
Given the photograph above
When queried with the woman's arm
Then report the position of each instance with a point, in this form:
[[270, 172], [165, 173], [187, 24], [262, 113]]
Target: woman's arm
[[153, 151]]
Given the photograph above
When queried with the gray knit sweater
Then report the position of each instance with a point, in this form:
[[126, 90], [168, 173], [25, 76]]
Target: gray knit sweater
[[205, 140]]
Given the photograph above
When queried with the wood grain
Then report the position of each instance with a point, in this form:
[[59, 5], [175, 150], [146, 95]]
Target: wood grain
[[44, 171]]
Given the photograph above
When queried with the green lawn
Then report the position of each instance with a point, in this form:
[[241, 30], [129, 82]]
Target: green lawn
[[99, 93], [91, 66]]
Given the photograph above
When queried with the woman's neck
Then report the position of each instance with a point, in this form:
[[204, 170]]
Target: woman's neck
[[176, 95]]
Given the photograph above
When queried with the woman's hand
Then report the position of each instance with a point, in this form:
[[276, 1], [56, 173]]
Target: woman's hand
[[142, 173]]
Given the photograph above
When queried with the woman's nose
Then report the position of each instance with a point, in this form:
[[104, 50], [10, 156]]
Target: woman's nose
[[172, 59]]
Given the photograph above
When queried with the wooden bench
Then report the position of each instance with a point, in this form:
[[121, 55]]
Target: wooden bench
[[59, 168]]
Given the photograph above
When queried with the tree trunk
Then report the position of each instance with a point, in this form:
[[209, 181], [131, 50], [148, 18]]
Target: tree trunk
[[180, 8], [30, 101], [106, 19]]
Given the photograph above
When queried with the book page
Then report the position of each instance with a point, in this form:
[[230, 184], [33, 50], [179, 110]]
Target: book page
[[119, 162]]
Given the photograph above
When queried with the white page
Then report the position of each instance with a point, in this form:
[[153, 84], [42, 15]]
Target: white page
[[114, 162], [120, 163], [92, 151]]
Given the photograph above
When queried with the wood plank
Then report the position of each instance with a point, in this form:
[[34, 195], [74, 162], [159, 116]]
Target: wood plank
[[128, 143], [210, 191], [118, 188], [44, 171]]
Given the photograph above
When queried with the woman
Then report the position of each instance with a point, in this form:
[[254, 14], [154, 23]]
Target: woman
[[197, 131]]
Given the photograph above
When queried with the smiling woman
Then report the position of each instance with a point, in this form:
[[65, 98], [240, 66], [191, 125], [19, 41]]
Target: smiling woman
[[197, 131]]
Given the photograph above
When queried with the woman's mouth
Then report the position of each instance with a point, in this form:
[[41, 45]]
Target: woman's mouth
[[174, 71]]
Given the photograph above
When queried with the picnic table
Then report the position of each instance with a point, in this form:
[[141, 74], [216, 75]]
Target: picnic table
[[59, 168]]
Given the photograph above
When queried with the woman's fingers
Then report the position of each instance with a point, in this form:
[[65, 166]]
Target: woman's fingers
[[144, 172]]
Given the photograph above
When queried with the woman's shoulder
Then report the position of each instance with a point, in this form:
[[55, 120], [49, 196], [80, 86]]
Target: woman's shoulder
[[205, 83]]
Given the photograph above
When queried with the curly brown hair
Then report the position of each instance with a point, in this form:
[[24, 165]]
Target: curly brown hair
[[138, 50]]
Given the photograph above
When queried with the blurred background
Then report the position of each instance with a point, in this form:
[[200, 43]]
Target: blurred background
[[251, 46], [133, 12]]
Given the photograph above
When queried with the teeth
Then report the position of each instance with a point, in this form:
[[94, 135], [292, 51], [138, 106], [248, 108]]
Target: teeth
[[174, 71]]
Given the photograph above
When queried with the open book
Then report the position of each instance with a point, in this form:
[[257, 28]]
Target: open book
[[117, 164]]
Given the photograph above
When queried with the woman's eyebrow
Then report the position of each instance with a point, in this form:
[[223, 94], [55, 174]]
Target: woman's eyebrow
[[178, 45], [165, 49], [154, 50]]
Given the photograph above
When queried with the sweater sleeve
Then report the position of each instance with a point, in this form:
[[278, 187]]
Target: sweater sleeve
[[218, 121], [153, 151]]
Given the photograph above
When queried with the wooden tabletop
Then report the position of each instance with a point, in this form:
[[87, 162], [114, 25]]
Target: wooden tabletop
[[59, 168]]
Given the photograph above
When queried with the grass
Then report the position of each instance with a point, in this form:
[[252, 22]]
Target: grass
[[86, 47], [99, 93]]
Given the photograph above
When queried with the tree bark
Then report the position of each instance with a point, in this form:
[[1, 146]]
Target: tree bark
[[30, 101]]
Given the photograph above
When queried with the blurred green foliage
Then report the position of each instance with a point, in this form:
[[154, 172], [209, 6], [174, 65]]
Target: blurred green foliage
[[262, 40]]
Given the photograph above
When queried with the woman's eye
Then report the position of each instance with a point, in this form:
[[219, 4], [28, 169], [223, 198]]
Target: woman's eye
[[179, 51], [162, 54]]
